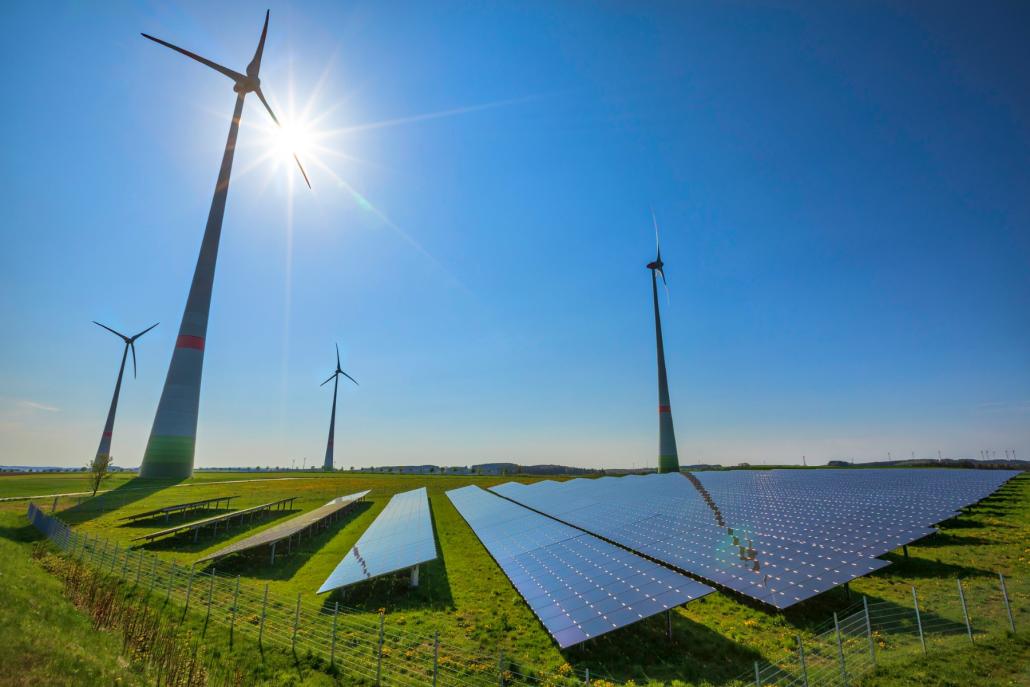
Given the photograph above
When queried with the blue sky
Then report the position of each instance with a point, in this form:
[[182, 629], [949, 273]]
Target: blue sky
[[841, 187]]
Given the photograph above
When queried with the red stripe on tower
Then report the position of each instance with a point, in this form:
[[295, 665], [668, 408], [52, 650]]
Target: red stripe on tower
[[187, 341], [664, 409], [107, 435]]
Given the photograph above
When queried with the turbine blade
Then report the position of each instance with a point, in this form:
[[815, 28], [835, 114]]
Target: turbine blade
[[350, 378], [306, 180], [331, 377], [235, 76], [337, 356], [145, 331], [261, 97], [255, 64], [125, 338], [132, 345], [657, 243]]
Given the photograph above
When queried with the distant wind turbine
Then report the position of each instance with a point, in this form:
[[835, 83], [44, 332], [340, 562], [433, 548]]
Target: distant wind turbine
[[668, 458], [170, 449], [335, 379], [130, 343]]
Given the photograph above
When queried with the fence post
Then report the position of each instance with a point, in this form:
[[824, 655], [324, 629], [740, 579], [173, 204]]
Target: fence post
[[210, 593], [171, 580], [332, 645], [53, 506], [919, 620], [296, 622], [139, 568], [1005, 598], [264, 606], [801, 659], [436, 654], [965, 612], [235, 601], [125, 563], [758, 678], [189, 589], [869, 630], [840, 652], [587, 683], [114, 560], [153, 577], [379, 659]]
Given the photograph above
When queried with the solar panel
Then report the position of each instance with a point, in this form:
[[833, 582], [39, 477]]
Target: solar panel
[[400, 537], [283, 530], [577, 585], [778, 536]]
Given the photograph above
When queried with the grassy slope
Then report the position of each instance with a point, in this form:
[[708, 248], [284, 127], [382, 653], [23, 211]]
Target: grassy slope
[[44, 640], [467, 598]]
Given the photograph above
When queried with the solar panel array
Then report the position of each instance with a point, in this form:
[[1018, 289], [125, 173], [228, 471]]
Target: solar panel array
[[577, 585], [400, 537], [289, 528], [778, 536]]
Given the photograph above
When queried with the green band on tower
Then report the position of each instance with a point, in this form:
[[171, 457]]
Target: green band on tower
[[168, 457]]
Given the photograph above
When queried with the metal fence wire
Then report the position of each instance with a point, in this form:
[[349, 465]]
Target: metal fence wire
[[942, 614], [367, 653]]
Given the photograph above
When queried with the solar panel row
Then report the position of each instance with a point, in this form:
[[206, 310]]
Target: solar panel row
[[577, 585], [400, 537], [778, 536], [287, 529]]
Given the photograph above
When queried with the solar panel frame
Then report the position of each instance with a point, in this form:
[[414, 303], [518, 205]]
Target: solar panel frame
[[400, 537], [283, 530]]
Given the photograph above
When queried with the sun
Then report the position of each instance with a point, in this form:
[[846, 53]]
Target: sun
[[292, 138]]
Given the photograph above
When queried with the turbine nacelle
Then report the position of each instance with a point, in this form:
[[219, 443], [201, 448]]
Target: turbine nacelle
[[242, 83], [247, 84]]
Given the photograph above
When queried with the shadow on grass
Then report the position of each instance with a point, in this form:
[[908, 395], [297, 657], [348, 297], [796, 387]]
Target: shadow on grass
[[25, 533], [644, 650], [121, 496], [394, 592], [183, 542]]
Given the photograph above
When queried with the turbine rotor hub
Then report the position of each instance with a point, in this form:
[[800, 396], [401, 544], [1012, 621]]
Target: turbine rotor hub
[[247, 84]]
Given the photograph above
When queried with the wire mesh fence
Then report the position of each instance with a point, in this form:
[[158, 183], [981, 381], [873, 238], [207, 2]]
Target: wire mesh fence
[[365, 652], [943, 614]]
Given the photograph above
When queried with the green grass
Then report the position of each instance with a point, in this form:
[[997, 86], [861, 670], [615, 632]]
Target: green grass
[[44, 640], [995, 664], [466, 597]]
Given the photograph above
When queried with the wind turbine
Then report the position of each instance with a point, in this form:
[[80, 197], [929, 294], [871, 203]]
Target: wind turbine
[[668, 458], [335, 379], [130, 342], [172, 442]]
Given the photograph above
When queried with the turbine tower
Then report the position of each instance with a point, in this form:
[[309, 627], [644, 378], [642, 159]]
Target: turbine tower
[[130, 342], [335, 379], [172, 442], [668, 459]]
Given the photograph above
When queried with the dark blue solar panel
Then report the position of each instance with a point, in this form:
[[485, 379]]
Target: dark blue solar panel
[[577, 585]]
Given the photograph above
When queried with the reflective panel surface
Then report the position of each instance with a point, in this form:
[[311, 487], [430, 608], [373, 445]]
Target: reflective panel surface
[[400, 537], [577, 585], [778, 536]]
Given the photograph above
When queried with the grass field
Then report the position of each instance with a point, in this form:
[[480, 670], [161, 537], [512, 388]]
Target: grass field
[[467, 598]]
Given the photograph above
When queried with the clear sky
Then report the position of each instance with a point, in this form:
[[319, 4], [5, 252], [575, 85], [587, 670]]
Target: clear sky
[[842, 189]]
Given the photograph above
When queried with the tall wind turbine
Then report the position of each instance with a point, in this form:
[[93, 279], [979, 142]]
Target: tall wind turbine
[[668, 459], [130, 342], [335, 379], [172, 442]]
